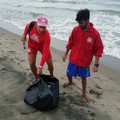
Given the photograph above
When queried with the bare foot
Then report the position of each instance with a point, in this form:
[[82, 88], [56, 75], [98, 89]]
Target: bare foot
[[67, 84], [87, 98]]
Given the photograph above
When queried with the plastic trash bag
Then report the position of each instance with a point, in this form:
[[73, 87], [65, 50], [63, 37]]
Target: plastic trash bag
[[44, 94]]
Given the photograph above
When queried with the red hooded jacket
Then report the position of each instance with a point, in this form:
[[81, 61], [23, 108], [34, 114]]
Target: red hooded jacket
[[39, 42], [84, 45]]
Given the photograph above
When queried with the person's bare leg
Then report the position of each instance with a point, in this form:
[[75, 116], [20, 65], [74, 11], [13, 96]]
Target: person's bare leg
[[50, 66], [84, 84], [70, 81], [32, 63]]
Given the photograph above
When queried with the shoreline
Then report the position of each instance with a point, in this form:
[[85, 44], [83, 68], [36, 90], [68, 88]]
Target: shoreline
[[109, 63]]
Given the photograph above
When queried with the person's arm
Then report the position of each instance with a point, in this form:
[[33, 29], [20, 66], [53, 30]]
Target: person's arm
[[96, 60], [98, 50], [64, 57], [96, 64], [68, 47], [46, 50], [45, 53], [23, 39]]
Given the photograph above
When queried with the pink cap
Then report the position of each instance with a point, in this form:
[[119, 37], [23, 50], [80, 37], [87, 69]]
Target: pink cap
[[42, 21]]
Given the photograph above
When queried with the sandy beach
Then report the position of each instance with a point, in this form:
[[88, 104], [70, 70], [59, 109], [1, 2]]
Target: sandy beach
[[15, 76]]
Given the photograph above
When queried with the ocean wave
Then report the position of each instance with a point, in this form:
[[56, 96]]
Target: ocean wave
[[35, 14], [110, 3], [68, 6], [66, 1], [11, 4], [106, 11], [53, 7], [17, 5], [109, 12]]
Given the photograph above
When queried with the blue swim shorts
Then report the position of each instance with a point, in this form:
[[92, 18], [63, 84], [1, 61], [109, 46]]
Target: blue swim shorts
[[81, 71]]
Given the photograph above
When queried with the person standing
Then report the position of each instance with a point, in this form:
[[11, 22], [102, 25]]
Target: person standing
[[39, 40], [84, 43]]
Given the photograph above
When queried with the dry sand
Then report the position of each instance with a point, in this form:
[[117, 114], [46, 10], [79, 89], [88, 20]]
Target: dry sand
[[15, 76]]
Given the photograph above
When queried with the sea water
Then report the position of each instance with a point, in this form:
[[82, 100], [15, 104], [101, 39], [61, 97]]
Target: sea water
[[105, 15]]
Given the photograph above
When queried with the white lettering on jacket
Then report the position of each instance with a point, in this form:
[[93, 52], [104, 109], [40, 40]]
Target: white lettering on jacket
[[35, 38], [89, 40]]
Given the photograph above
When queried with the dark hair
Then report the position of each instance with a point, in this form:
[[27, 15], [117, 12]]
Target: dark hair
[[82, 14]]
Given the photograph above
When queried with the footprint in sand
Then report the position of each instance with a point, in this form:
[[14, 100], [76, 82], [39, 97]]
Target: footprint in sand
[[27, 112], [97, 86], [96, 93], [11, 59], [22, 60], [12, 43], [3, 70], [118, 109], [13, 39], [92, 114], [12, 52], [6, 38], [62, 78]]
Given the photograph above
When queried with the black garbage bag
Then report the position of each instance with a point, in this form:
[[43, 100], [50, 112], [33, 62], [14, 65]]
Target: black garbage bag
[[44, 94]]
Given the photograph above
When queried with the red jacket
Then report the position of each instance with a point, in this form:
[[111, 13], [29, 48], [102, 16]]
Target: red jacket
[[83, 45], [39, 41]]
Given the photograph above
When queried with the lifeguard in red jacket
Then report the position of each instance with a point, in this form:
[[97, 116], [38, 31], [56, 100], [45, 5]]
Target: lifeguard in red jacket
[[39, 40], [84, 43]]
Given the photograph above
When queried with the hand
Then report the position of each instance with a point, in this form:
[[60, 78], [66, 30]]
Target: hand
[[39, 70], [95, 69], [23, 39], [64, 57]]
